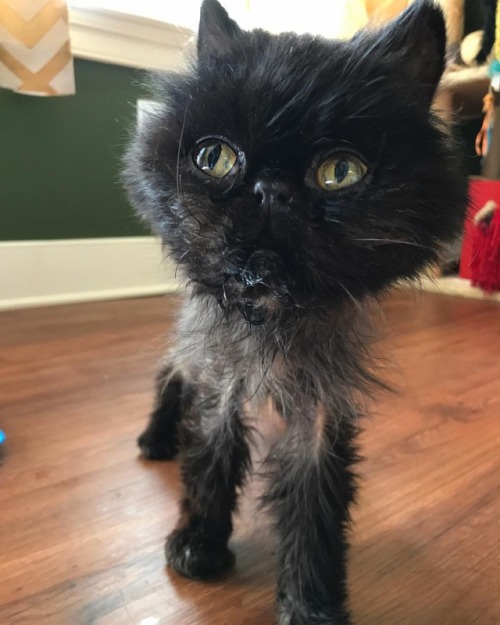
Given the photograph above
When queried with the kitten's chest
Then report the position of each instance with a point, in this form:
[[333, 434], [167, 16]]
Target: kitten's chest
[[303, 357]]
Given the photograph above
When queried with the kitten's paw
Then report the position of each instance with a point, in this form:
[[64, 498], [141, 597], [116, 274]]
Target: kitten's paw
[[290, 613], [192, 555], [154, 447], [290, 618]]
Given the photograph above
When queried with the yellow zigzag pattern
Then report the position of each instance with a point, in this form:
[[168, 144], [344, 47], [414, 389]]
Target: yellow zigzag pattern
[[35, 54], [30, 33]]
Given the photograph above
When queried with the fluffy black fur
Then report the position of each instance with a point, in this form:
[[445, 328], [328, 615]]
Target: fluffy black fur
[[489, 21], [280, 272]]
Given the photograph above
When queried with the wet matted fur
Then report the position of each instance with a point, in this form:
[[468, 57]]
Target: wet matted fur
[[280, 270]]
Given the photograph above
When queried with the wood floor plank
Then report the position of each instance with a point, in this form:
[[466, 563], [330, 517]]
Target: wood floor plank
[[83, 518]]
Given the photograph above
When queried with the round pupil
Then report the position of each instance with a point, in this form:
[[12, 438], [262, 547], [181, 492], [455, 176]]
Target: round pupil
[[213, 156], [341, 170]]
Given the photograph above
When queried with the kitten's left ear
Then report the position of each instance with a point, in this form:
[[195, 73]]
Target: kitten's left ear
[[416, 43], [216, 30]]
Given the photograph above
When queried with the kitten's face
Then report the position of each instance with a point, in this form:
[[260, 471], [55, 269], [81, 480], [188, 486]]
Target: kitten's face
[[290, 171]]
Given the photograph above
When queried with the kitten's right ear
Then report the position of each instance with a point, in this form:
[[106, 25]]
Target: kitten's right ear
[[415, 44], [216, 30]]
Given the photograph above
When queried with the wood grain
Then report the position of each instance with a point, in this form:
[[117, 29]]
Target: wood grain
[[83, 518]]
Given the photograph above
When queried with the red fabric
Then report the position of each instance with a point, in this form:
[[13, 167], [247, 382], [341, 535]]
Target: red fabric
[[480, 192], [485, 263]]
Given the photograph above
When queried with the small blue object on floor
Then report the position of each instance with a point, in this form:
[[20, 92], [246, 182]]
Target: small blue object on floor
[[2, 436]]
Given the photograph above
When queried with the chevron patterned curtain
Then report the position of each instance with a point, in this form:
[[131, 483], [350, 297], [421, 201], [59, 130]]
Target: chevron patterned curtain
[[35, 53]]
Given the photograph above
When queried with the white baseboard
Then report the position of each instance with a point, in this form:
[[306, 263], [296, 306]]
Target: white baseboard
[[454, 285], [42, 273], [125, 39]]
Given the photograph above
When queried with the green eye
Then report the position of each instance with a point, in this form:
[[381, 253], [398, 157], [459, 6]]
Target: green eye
[[341, 171], [216, 159]]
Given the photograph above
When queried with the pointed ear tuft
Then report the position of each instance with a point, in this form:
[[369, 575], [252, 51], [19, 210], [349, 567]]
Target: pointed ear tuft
[[216, 30], [416, 41]]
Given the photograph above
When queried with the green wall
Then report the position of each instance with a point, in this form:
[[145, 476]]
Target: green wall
[[60, 158]]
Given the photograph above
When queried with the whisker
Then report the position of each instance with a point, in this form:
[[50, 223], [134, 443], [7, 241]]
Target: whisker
[[179, 150], [350, 295], [398, 241]]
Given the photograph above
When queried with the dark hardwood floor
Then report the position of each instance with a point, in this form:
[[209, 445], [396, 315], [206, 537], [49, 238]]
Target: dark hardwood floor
[[83, 518]]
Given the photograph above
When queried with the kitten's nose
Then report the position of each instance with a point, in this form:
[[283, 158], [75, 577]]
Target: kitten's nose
[[272, 193]]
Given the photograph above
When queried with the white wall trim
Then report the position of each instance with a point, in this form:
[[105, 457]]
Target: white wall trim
[[42, 273], [130, 40]]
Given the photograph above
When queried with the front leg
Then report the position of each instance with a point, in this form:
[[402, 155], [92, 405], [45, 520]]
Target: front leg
[[215, 457], [311, 488], [159, 441]]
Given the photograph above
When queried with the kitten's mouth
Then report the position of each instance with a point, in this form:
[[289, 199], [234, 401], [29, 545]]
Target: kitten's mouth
[[257, 288]]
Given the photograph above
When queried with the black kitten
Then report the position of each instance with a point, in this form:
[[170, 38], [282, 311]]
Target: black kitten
[[293, 179]]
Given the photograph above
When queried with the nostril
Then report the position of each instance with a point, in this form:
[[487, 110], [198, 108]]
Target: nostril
[[259, 196], [259, 192], [272, 192]]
